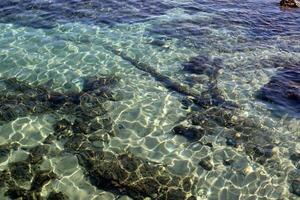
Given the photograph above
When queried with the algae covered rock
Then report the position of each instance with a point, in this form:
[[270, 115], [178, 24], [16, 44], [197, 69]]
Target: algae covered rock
[[130, 175], [61, 127], [57, 196], [295, 187], [37, 153], [40, 179], [283, 90], [20, 171], [4, 177], [190, 133], [27, 99]]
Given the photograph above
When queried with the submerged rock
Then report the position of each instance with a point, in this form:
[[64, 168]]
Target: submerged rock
[[37, 153], [57, 196], [32, 100], [4, 177], [206, 164], [75, 142], [87, 110], [231, 142], [61, 127], [295, 157], [290, 3], [20, 171], [21, 193], [40, 179], [133, 176], [56, 99], [190, 133], [4, 150], [260, 153], [228, 162], [283, 90], [203, 64], [295, 187], [93, 83], [80, 127], [16, 192]]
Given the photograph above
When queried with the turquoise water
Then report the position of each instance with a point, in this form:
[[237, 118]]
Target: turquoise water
[[233, 55]]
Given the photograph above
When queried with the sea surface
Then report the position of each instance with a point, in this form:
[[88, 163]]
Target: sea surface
[[171, 60]]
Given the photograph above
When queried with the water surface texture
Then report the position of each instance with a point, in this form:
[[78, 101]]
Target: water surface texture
[[158, 99]]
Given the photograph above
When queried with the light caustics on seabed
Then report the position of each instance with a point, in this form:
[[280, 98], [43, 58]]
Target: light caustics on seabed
[[149, 99]]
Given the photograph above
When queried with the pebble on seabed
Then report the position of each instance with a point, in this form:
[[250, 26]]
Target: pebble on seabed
[[247, 170], [206, 164], [295, 187]]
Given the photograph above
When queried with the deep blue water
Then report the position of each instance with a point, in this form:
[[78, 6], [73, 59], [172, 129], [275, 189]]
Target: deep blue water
[[206, 93]]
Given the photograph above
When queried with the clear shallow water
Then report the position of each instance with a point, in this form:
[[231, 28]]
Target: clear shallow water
[[64, 41]]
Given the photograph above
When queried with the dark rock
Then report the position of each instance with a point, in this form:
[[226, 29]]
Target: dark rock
[[206, 164], [231, 142], [209, 144], [95, 125], [37, 153], [261, 160], [129, 163], [57, 196], [75, 142], [163, 180], [228, 162], [212, 117], [61, 126], [189, 133], [40, 179], [202, 64], [295, 157], [195, 79], [80, 127], [186, 184], [7, 113], [283, 90], [74, 98], [4, 150], [186, 102], [158, 42], [49, 139], [107, 123], [93, 83], [133, 176], [16, 192], [20, 171], [259, 153], [4, 177], [56, 99], [192, 198], [290, 3], [175, 194], [295, 187], [266, 152]]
